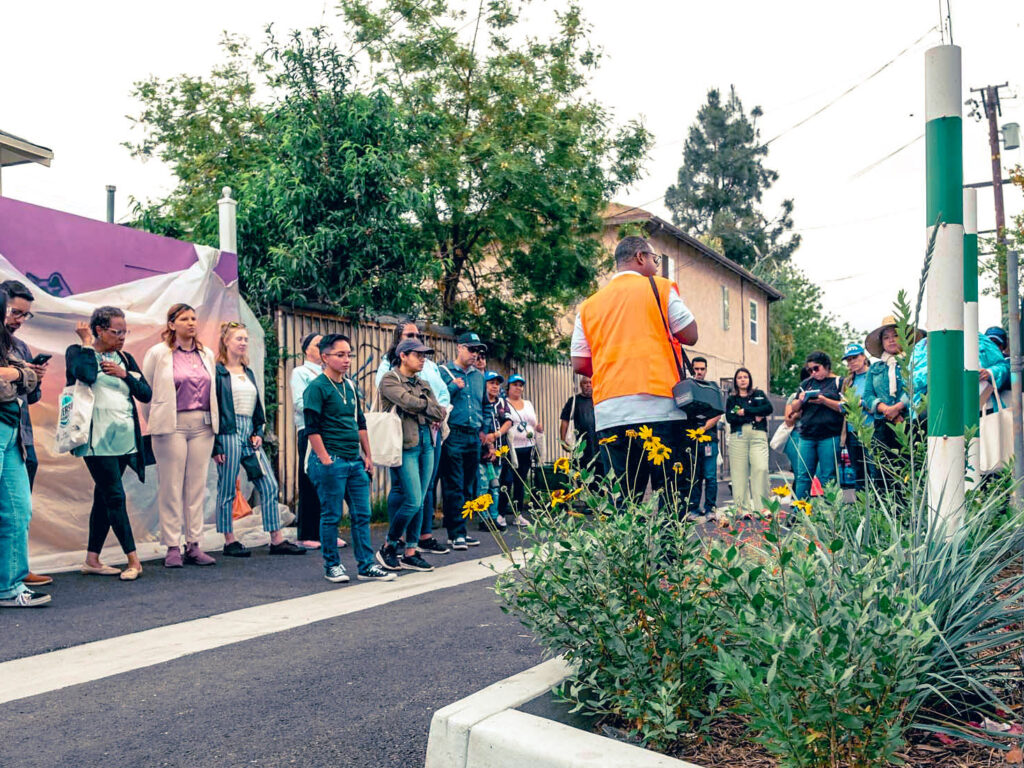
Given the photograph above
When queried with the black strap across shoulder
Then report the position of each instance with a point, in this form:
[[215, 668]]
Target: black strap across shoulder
[[686, 360]]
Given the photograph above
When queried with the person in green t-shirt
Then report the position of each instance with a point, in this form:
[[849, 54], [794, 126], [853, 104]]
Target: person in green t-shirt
[[336, 429]]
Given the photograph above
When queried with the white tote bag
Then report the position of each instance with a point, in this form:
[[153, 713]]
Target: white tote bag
[[996, 438], [384, 429], [781, 436], [74, 418]]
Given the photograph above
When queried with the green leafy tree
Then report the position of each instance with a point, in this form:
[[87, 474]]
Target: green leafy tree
[[517, 164], [722, 181], [800, 324], [320, 170]]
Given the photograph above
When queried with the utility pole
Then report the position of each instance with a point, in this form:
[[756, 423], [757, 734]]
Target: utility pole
[[945, 288], [993, 110], [971, 364]]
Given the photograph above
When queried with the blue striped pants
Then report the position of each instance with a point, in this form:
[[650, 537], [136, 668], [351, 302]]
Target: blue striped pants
[[235, 447]]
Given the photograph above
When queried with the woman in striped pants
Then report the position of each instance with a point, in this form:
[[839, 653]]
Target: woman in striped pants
[[239, 444]]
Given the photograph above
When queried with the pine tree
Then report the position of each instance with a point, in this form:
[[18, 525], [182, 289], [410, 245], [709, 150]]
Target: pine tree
[[722, 182]]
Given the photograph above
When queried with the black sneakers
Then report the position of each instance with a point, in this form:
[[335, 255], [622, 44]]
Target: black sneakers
[[432, 546], [472, 542], [236, 549], [375, 573], [388, 558], [287, 548], [415, 563]]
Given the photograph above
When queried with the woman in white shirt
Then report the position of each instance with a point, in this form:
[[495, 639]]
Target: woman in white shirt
[[239, 444], [522, 437]]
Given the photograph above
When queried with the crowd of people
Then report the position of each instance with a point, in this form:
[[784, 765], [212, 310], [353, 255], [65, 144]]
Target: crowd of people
[[463, 426]]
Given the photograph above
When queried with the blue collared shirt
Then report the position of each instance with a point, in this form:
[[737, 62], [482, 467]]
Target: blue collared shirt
[[468, 402]]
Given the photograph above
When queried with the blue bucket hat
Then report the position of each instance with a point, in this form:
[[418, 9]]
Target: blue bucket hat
[[515, 378], [854, 349]]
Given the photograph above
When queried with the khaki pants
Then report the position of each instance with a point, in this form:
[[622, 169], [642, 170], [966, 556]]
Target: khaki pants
[[748, 467], [182, 462]]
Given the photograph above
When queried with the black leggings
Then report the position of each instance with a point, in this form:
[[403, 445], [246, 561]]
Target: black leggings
[[513, 483], [108, 503]]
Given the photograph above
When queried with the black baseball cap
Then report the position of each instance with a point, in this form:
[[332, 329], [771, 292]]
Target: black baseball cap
[[412, 345], [472, 341]]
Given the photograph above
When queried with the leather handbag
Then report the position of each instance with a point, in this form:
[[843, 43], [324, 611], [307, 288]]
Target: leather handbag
[[693, 397]]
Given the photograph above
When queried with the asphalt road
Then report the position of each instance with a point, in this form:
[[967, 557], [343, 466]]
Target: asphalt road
[[357, 690]]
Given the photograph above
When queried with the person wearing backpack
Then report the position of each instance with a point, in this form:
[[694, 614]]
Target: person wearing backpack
[[819, 406]]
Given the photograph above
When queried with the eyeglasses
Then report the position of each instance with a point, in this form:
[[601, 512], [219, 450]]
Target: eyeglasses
[[814, 368], [654, 257], [112, 332], [413, 336], [17, 314]]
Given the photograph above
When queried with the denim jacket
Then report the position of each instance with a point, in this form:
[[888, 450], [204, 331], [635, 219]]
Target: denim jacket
[[876, 390]]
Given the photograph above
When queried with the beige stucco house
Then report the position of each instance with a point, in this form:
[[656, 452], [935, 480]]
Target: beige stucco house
[[731, 305]]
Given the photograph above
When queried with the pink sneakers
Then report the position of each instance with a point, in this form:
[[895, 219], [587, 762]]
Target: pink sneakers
[[195, 556], [173, 557]]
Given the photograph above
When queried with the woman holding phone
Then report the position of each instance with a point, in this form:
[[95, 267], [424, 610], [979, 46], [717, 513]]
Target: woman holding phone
[[819, 406], [182, 418], [115, 436]]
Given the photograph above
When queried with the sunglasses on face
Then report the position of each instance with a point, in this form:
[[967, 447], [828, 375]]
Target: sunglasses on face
[[814, 368], [413, 336]]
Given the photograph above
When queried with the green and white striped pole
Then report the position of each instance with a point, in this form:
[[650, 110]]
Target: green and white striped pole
[[944, 168], [972, 406]]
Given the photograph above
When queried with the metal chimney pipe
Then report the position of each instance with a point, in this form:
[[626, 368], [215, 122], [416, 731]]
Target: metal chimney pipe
[[111, 189]]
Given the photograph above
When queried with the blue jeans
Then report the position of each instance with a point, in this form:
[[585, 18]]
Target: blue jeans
[[395, 494], [413, 476], [15, 513], [340, 481], [792, 451], [817, 457], [705, 477], [484, 473]]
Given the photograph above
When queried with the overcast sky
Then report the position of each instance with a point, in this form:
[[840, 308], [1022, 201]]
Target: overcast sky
[[69, 67]]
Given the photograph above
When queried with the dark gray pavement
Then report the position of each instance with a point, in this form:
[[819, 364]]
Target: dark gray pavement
[[88, 608], [357, 691]]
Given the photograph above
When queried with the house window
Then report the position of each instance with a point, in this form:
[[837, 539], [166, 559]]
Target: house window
[[753, 321], [668, 269], [725, 308]]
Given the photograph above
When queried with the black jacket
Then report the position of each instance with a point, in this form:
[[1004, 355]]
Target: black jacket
[[226, 406], [755, 404], [80, 365]]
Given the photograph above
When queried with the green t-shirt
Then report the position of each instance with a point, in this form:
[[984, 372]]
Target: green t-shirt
[[333, 412]]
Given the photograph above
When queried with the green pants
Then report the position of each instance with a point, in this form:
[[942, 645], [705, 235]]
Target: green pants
[[748, 467]]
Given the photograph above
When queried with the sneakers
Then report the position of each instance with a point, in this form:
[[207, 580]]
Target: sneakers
[[432, 546], [287, 548], [375, 573], [460, 543], [500, 521], [336, 574], [173, 558], [471, 542], [236, 549], [26, 599], [415, 563], [195, 556], [520, 521], [388, 557]]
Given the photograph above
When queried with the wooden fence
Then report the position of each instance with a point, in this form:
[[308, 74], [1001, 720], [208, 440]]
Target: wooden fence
[[548, 386]]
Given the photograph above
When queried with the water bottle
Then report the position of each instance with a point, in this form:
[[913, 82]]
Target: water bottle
[[847, 473]]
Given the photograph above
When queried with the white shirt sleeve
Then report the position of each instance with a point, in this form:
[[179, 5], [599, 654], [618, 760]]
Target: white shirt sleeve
[[679, 315], [580, 347]]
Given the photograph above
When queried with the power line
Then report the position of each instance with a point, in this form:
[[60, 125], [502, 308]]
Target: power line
[[852, 88], [402, 15], [877, 163]]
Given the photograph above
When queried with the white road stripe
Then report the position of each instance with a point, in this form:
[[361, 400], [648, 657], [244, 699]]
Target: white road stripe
[[52, 671]]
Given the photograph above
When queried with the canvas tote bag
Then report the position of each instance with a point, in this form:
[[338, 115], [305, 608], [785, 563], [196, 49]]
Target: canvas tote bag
[[74, 416], [384, 429], [996, 437]]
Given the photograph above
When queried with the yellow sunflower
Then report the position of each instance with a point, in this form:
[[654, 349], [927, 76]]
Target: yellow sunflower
[[657, 453], [803, 506], [645, 433], [608, 440], [694, 434], [677, 468], [501, 451], [782, 491], [562, 465], [631, 433]]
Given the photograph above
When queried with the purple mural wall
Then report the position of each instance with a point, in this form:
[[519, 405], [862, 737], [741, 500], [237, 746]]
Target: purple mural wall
[[65, 254]]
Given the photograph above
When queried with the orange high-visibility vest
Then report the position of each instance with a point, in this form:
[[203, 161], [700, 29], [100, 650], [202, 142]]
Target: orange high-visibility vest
[[629, 345]]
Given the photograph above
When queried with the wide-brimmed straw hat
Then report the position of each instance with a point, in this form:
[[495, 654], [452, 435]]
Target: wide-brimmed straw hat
[[874, 339]]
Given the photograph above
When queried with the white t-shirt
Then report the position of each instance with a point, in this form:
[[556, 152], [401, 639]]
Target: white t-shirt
[[524, 423], [635, 409], [244, 393]]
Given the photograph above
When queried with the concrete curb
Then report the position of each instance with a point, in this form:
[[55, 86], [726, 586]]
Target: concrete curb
[[485, 731]]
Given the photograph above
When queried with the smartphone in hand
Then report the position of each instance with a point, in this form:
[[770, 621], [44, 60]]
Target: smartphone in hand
[[40, 359]]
